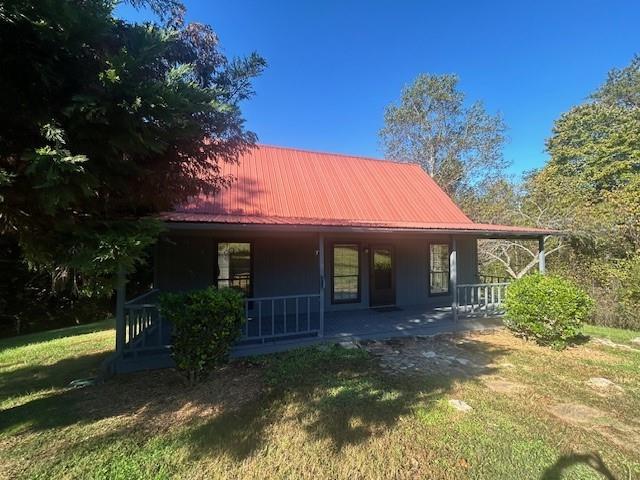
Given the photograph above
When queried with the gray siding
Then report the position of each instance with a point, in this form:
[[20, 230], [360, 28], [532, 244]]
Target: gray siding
[[288, 264]]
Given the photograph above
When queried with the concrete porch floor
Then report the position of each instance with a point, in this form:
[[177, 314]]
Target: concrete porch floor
[[370, 324]]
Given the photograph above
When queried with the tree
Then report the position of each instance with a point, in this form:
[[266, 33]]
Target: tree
[[504, 202], [104, 122], [592, 183], [458, 146], [595, 157]]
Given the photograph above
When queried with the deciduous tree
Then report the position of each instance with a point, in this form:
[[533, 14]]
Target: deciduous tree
[[458, 145]]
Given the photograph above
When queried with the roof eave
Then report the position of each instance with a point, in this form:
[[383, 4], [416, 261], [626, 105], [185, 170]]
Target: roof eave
[[486, 233]]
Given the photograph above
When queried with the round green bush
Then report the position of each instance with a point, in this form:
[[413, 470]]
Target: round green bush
[[546, 308], [206, 323]]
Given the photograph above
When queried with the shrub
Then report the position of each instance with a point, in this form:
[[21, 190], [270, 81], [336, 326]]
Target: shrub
[[548, 309], [205, 325]]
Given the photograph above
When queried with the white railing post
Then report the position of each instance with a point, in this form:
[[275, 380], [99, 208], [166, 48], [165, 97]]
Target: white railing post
[[541, 255]]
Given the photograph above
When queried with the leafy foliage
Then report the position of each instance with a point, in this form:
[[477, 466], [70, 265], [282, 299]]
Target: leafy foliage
[[590, 190], [458, 146], [592, 187], [205, 325], [548, 309], [105, 122], [32, 299]]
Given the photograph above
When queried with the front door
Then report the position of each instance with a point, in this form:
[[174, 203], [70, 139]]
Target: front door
[[382, 284]]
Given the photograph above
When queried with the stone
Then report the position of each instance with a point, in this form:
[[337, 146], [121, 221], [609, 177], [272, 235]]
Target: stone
[[578, 414], [609, 343], [460, 405], [636, 340], [429, 354], [348, 345], [601, 383], [83, 382], [500, 385]]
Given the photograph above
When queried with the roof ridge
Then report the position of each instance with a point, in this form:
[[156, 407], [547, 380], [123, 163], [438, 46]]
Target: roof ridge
[[320, 152]]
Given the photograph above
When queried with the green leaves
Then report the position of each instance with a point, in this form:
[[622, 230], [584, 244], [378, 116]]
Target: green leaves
[[206, 323], [458, 146], [106, 123], [547, 309]]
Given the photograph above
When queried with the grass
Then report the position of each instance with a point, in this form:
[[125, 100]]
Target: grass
[[324, 412], [615, 334]]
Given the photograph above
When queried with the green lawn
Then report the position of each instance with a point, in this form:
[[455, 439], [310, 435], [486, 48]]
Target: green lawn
[[320, 413]]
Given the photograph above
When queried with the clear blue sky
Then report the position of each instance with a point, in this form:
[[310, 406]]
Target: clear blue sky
[[335, 65]]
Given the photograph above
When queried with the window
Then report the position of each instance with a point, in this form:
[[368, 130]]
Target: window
[[438, 269], [346, 273], [234, 266]]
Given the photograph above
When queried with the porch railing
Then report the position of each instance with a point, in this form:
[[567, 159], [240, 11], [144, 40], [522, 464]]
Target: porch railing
[[481, 298], [492, 279], [279, 318], [143, 325]]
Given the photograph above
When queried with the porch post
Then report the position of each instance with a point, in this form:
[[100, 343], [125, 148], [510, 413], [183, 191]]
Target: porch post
[[120, 299], [541, 256], [321, 270], [453, 277]]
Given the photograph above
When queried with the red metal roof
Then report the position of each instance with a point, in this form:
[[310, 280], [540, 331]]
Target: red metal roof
[[287, 186]]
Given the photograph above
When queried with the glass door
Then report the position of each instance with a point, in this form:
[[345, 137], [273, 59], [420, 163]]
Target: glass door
[[382, 284]]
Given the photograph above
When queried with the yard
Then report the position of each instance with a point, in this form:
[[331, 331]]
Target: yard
[[329, 412]]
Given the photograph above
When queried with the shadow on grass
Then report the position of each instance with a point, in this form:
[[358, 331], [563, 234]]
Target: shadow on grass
[[338, 396], [592, 460], [24, 380], [40, 337], [331, 394], [49, 411]]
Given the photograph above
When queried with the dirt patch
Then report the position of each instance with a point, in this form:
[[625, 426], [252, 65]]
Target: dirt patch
[[160, 400]]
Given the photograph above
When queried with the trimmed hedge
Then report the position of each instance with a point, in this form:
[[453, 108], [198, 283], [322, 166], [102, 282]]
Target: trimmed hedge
[[206, 323], [547, 308]]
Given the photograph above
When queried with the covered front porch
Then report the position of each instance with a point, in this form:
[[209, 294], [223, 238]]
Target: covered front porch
[[378, 324], [308, 263], [276, 324]]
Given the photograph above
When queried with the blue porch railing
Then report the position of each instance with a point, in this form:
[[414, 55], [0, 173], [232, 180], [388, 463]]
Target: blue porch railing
[[271, 319]]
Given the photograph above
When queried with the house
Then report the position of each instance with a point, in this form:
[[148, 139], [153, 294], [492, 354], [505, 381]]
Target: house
[[322, 245]]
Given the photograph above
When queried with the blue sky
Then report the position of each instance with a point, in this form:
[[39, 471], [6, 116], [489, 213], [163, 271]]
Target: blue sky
[[335, 65]]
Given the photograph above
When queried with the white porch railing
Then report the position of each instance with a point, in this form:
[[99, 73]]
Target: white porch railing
[[278, 318], [143, 325], [481, 298]]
